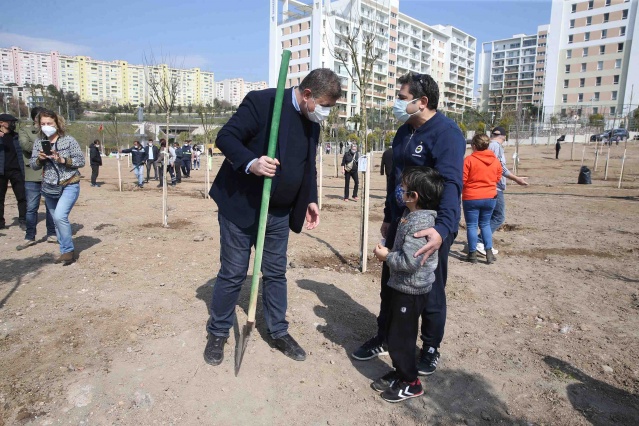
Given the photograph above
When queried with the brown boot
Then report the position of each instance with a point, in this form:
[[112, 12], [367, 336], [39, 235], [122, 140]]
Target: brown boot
[[66, 258], [472, 257], [490, 257]]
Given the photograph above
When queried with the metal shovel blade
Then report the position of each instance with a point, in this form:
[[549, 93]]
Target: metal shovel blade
[[242, 343]]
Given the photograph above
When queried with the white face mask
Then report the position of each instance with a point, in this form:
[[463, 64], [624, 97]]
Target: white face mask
[[320, 114], [399, 110], [48, 130]]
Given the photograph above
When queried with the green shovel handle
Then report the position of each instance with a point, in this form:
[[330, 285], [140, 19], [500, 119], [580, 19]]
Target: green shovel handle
[[266, 190]]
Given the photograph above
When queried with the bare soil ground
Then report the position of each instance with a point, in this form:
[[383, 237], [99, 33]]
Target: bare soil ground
[[547, 335]]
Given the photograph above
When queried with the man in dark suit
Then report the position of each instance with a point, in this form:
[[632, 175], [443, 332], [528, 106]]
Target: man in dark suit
[[237, 190], [152, 152]]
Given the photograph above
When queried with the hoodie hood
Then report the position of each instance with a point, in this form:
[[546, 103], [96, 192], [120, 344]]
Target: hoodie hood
[[486, 156]]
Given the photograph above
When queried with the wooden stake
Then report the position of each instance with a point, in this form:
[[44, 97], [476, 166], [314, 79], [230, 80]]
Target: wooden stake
[[119, 174], [321, 175], [607, 160], [583, 154], [596, 155], [165, 210], [623, 160], [365, 205]]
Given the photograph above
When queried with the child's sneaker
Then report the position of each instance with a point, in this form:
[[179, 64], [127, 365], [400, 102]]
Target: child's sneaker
[[385, 382], [427, 363], [401, 390], [371, 349]]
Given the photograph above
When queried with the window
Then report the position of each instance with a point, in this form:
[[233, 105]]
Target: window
[[607, 2], [572, 23], [614, 95], [617, 63], [595, 110], [599, 65], [622, 31], [602, 50], [580, 97], [613, 110], [589, 20], [620, 47], [625, 14], [596, 97], [591, 4], [615, 79], [570, 38], [585, 52], [567, 69], [564, 99], [598, 81], [582, 82], [583, 67], [604, 34], [587, 36], [606, 17], [568, 53], [566, 84], [574, 8]]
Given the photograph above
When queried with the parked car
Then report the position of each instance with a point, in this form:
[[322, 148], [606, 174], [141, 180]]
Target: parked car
[[623, 133], [636, 137]]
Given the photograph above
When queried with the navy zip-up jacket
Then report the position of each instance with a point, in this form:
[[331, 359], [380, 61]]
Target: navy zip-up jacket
[[440, 144]]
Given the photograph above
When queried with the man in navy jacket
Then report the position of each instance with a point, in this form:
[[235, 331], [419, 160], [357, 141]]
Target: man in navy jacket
[[237, 190], [430, 139]]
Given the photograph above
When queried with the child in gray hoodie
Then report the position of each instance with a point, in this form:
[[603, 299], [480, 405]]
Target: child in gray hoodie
[[410, 280]]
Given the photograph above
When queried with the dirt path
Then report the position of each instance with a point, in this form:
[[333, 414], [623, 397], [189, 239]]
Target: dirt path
[[547, 335]]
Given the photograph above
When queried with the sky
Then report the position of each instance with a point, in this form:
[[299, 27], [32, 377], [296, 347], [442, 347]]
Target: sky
[[229, 38]]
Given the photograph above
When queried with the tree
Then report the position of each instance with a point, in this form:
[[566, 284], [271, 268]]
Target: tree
[[358, 45], [164, 86]]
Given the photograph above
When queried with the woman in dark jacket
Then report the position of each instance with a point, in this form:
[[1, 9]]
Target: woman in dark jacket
[[95, 160]]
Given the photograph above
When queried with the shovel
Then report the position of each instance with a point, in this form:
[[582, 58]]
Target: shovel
[[242, 342]]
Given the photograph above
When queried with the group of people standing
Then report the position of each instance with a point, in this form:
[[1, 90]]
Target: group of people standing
[[421, 219], [41, 160], [181, 160]]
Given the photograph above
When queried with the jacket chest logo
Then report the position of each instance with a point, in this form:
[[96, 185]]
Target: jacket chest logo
[[419, 149]]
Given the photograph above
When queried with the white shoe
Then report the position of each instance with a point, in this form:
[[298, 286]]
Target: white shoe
[[481, 249]]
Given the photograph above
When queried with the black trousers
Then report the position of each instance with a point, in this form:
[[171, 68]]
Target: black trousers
[[95, 170], [151, 164], [17, 184], [403, 326], [434, 313], [186, 167], [347, 182], [177, 165], [169, 170], [557, 153]]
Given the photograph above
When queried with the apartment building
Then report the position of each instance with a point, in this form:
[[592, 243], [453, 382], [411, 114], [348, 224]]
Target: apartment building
[[314, 31], [590, 67], [235, 89], [512, 72], [112, 82]]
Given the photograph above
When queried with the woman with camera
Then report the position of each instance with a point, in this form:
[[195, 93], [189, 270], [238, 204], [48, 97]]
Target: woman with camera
[[60, 156]]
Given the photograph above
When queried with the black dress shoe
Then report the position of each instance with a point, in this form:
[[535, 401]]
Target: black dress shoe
[[214, 350], [290, 347]]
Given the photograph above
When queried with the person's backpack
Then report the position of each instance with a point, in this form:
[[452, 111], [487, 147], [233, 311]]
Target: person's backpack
[[349, 166]]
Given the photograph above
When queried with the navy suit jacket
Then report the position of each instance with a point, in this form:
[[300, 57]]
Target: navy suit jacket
[[244, 138]]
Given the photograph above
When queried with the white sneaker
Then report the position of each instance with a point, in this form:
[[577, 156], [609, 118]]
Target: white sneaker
[[52, 239], [481, 249]]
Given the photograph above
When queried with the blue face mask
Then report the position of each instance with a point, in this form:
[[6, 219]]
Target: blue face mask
[[399, 196], [399, 110]]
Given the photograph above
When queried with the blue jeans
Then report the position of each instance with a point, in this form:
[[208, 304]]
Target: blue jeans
[[479, 212], [32, 190], [139, 173], [499, 215], [60, 209], [235, 251]]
